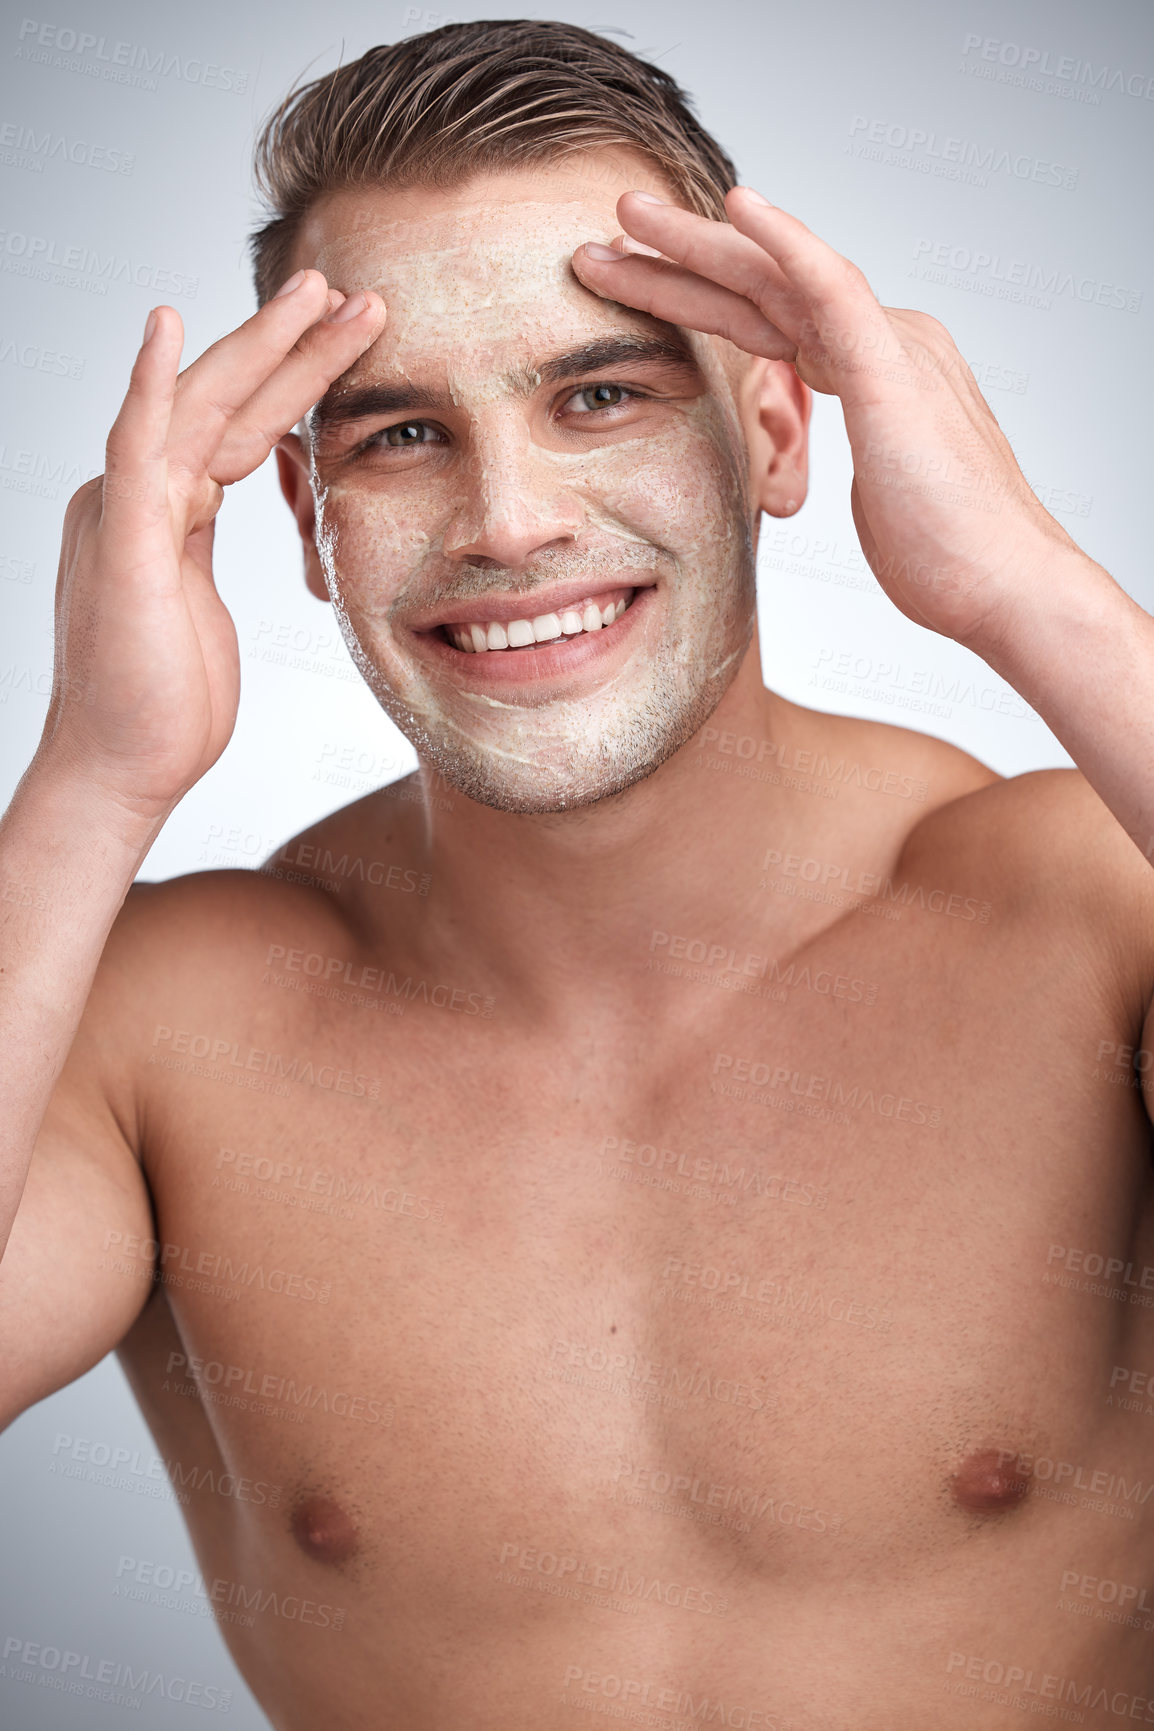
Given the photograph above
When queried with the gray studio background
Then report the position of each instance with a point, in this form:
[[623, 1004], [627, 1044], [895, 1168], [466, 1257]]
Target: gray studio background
[[953, 150]]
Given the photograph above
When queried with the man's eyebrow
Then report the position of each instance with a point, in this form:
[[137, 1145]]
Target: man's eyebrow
[[626, 350], [367, 400]]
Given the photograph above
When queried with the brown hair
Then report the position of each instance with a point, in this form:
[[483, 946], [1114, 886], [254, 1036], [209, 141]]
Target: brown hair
[[437, 108]]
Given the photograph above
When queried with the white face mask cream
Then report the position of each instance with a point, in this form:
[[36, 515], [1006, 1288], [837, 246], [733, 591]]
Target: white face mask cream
[[531, 503]]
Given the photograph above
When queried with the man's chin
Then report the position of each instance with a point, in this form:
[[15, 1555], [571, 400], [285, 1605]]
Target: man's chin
[[566, 794], [571, 779]]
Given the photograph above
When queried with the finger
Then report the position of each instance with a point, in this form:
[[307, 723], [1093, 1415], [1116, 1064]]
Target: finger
[[321, 355], [844, 314], [626, 243], [806, 262], [669, 292], [813, 294], [716, 250], [209, 392], [134, 499]]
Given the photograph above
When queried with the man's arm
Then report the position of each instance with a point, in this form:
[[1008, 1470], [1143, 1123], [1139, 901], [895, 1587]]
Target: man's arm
[[950, 527], [144, 700], [65, 868]]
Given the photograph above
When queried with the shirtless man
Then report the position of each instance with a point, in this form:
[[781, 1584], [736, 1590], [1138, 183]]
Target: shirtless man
[[685, 1309]]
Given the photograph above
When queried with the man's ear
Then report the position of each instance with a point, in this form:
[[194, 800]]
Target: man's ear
[[775, 411], [293, 468]]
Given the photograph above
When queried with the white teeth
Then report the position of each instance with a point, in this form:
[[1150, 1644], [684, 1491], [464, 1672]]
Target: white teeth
[[545, 628]]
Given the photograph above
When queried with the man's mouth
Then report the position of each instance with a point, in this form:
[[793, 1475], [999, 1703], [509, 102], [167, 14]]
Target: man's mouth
[[477, 637]]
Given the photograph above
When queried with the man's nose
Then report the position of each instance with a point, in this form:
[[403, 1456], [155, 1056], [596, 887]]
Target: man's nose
[[516, 505]]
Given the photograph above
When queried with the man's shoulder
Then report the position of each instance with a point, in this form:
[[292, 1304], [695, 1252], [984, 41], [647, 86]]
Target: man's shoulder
[[1041, 830], [189, 959], [213, 922], [184, 949], [1047, 824], [890, 776], [1041, 843], [1043, 847]]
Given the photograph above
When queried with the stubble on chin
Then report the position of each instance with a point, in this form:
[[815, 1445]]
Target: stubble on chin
[[546, 768]]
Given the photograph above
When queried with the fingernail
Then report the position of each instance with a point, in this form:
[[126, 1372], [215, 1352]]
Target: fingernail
[[286, 288], [628, 244], [149, 328], [751, 193], [647, 197], [603, 254], [348, 309]]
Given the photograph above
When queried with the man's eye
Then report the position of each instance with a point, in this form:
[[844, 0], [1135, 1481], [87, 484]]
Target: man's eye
[[407, 433], [592, 397]]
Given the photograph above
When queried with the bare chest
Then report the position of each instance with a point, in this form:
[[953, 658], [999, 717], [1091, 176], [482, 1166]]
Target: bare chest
[[754, 1287]]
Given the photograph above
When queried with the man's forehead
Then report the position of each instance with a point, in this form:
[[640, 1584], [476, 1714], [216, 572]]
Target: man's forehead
[[464, 260], [574, 197]]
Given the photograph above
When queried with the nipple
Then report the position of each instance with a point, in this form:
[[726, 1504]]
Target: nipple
[[323, 1530], [991, 1482]]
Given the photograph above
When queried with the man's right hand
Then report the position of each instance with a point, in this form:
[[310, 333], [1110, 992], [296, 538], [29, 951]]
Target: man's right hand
[[147, 674]]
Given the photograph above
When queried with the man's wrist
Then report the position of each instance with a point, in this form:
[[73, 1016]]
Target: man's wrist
[[59, 784], [1059, 613], [1081, 654]]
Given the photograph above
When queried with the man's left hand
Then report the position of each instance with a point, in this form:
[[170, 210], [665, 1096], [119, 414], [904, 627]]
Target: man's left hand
[[945, 516]]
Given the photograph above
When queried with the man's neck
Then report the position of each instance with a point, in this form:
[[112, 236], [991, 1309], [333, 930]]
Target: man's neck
[[552, 910]]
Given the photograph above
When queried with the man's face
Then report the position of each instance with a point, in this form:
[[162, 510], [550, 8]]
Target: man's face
[[514, 449]]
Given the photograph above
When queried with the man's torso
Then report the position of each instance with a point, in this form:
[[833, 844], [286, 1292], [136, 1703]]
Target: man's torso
[[775, 1345]]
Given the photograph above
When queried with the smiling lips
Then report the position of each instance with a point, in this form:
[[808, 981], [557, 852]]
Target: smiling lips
[[476, 637]]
